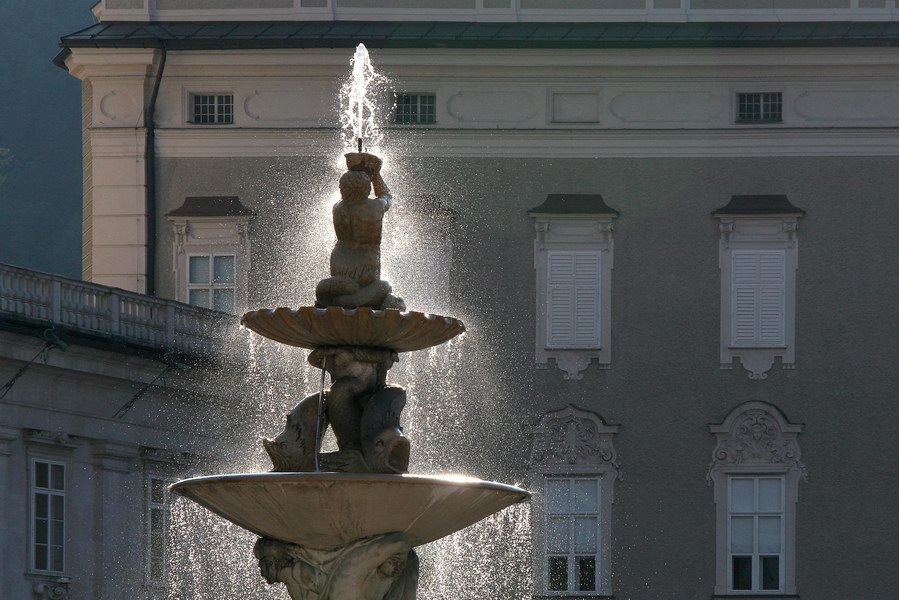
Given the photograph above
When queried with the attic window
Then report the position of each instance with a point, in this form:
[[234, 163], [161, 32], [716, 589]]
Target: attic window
[[212, 109], [764, 107], [415, 109]]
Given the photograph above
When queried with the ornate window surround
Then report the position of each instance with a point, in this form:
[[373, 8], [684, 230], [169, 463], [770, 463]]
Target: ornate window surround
[[758, 223], [208, 226], [573, 222], [575, 443], [756, 439]]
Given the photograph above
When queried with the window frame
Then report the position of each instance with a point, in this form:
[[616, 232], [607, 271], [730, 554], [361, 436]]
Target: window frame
[[757, 233], [192, 114], [738, 120], [758, 341], [572, 555], [418, 95], [756, 554], [32, 502], [575, 233], [755, 440], [573, 343], [595, 458], [166, 508], [212, 286]]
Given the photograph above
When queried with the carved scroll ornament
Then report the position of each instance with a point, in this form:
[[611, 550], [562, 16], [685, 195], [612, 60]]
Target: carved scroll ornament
[[573, 437]]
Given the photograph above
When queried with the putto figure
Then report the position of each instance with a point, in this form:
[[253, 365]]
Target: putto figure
[[356, 258]]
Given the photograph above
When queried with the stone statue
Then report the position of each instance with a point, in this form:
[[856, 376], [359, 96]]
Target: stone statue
[[356, 258], [362, 410], [383, 567]]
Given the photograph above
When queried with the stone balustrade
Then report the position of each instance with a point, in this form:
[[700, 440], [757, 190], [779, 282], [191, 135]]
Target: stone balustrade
[[111, 312]]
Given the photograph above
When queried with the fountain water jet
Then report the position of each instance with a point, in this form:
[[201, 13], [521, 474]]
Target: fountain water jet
[[349, 532]]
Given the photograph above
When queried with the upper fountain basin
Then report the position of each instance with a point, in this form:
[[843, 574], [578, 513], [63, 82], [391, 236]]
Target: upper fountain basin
[[310, 327], [328, 510]]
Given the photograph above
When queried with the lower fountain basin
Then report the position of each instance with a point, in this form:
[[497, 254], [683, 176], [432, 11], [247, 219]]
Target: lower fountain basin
[[327, 510]]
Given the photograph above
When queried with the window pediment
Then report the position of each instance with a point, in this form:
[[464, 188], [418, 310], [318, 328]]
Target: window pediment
[[756, 435], [572, 437]]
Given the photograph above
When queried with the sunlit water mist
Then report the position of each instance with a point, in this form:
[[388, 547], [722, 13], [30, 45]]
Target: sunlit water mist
[[459, 415]]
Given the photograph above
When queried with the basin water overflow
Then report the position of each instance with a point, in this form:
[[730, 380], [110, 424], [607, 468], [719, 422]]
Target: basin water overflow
[[342, 525]]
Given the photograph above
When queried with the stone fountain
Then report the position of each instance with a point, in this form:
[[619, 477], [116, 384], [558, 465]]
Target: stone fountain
[[342, 525]]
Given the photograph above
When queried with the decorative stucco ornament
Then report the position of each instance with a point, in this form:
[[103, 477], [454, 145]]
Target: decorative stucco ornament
[[573, 437], [756, 434]]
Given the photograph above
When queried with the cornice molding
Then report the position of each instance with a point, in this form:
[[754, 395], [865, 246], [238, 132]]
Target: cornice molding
[[557, 143]]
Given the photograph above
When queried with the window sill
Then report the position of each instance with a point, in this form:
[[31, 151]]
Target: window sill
[[44, 575], [563, 596], [755, 595], [783, 347]]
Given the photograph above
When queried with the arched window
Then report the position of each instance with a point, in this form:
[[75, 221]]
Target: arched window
[[755, 470], [573, 468]]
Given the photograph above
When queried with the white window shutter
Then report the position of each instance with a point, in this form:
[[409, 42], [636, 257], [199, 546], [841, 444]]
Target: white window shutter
[[574, 297], [758, 298]]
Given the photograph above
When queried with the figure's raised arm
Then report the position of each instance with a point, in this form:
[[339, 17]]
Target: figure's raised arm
[[382, 192]]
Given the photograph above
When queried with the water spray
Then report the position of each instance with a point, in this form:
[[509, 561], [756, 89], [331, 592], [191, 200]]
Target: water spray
[[360, 101]]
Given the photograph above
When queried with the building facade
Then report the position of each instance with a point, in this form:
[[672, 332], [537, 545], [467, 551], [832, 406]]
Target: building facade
[[103, 395], [612, 196]]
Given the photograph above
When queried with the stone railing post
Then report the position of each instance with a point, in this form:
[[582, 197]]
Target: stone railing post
[[56, 301], [170, 324], [115, 314]]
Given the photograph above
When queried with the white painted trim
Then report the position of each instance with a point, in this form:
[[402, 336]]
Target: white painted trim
[[479, 14], [587, 233], [757, 233], [470, 60], [33, 490], [734, 455], [558, 144]]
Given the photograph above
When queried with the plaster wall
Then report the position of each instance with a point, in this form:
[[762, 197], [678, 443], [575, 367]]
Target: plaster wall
[[665, 384]]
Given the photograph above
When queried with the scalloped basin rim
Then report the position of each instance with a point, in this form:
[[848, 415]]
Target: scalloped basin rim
[[310, 327], [327, 510]]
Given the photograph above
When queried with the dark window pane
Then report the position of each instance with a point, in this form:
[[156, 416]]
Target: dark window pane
[[41, 506], [58, 533], [40, 557], [157, 491], [56, 556], [57, 507], [558, 573], [770, 572], [198, 298], [742, 572], [57, 477], [42, 475], [586, 573], [223, 300], [41, 531], [156, 568]]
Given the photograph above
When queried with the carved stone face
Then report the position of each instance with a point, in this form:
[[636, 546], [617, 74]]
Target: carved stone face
[[355, 186], [388, 452]]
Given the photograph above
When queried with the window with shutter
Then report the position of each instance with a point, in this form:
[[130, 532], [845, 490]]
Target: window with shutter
[[573, 299], [573, 260], [758, 297], [758, 254]]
